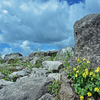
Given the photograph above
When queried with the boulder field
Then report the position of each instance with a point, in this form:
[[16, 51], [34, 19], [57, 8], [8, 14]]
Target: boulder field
[[43, 75]]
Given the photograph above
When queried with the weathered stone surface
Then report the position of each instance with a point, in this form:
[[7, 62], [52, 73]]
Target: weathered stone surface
[[4, 83], [36, 54], [39, 72], [26, 89], [12, 56], [42, 53], [87, 39], [66, 91], [62, 54], [50, 53], [47, 96], [52, 65], [56, 76]]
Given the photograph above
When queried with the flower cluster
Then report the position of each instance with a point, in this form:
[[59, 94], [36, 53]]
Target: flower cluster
[[86, 80]]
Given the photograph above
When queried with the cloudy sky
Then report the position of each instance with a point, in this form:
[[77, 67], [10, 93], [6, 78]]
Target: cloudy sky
[[47, 24]]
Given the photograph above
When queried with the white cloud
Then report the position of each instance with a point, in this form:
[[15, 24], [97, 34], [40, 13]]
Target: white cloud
[[6, 51], [36, 22], [5, 11], [26, 48], [26, 22]]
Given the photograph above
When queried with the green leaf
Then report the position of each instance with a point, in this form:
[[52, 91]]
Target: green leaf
[[90, 88]]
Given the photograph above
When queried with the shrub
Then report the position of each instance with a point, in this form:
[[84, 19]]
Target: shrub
[[86, 80]]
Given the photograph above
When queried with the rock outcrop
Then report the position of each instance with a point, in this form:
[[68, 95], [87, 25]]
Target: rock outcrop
[[28, 78], [32, 77], [87, 39]]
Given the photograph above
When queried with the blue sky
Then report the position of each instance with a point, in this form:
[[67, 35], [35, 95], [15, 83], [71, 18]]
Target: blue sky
[[47, 24]]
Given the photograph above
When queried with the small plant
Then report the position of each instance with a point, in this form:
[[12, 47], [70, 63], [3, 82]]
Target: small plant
[[54, 88], [69, 55], [86, 80], [52, 57], [30, 66], [38, 64], [51, 71], [0, 56]]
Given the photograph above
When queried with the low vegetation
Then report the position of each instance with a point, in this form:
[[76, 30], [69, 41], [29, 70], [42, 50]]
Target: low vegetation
[[54, 88], [86, 80]]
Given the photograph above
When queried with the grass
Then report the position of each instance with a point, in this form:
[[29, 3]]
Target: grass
[[54, 88], [11, 67]]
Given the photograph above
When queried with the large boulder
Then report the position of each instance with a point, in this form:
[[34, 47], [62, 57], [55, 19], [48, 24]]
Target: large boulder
[[13, 56], [87, 39], [26, 89]]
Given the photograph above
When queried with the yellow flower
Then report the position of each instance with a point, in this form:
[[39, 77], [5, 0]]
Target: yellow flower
[[91, 73], [84, 74], [78, 66], [74, 69], [99, 78], [88, 61], [84, 59], [96, 89], [86, 69], [81, 98], [97, 70], [77, 71], [78, 59], [76, 75], [89, 94]]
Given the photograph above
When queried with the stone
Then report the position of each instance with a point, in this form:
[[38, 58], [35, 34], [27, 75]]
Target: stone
[[26, 89], [42, 53], [52, 65], [63, 54], [39, 72], [4, 83], [66, 91], [30, 82], [50, 53], [56, 76], [12, 56], [47, 96], [36, 54], [87, 39]]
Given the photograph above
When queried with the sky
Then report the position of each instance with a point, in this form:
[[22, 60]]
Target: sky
[[43, 25]]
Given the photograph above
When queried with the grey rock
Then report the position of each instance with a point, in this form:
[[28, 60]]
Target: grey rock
[[21, 73], [56, 76], [26, 89], [50, 53], [4, 83], [39, 72], [12, 56], [2, 61], [47, 96], [33, 61], [63, 54], [37, 54], [66, 91], [42, 53], [52, 65], [87, 39]]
